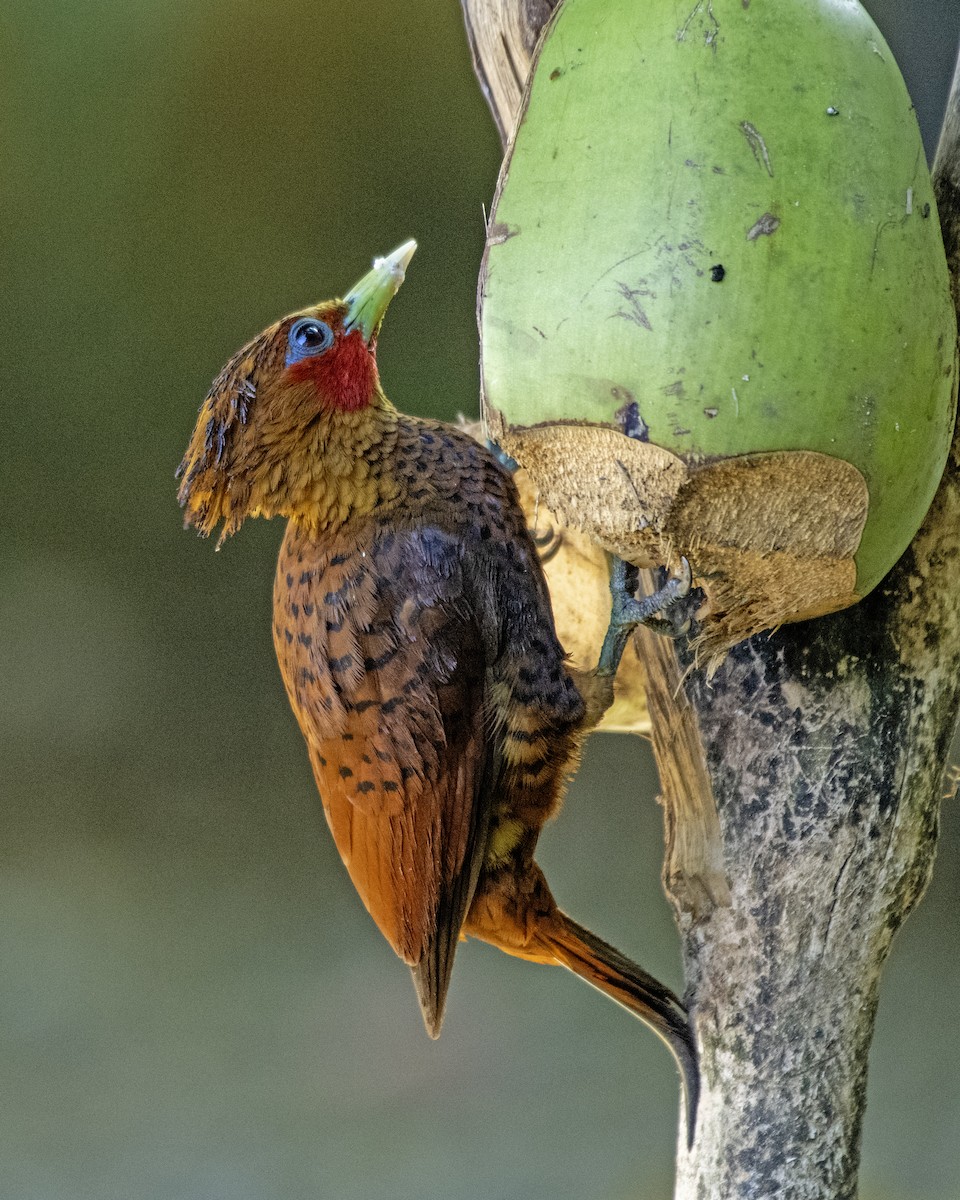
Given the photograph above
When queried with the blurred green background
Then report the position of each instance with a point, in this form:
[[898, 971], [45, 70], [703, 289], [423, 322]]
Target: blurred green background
[[194, 1004]]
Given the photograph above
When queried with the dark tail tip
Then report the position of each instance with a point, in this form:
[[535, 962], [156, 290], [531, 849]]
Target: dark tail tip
[[432, 1004], [431, 977], [603, 966]]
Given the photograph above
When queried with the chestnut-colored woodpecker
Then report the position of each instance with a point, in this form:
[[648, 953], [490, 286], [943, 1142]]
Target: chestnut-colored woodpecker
[[416, 641]]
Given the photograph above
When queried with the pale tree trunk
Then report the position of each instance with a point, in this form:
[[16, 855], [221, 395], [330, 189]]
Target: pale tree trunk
[[821, 750]]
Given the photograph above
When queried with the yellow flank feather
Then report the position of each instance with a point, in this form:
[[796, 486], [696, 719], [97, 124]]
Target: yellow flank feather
[[504, 839]]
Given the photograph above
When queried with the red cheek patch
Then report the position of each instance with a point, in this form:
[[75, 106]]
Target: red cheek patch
[[345, 376]]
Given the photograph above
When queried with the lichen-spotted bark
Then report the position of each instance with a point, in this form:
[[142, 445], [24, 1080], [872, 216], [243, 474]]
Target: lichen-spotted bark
[[828, 831], [823, 745]]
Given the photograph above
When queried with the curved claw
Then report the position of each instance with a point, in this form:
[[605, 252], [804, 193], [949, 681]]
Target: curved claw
[[684, 579], [547, 544], [677, 616]]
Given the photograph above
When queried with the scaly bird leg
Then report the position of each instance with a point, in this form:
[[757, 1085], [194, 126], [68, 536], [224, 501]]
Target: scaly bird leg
[[627, 612]]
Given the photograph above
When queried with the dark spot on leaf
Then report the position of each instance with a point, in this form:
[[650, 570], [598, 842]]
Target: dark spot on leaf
[[629, 416]]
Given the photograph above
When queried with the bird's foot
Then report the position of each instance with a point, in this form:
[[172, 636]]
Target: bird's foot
[[661, 612]]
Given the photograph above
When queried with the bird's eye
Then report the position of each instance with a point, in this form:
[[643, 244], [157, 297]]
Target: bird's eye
[[308, 337]]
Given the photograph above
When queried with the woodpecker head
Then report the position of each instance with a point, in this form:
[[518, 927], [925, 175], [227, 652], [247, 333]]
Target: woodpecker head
[[275, 418]]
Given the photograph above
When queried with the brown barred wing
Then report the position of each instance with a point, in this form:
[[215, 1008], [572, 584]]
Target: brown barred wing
[[384, 665]]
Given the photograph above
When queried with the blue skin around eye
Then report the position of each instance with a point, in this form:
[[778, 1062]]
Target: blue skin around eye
[[297, 353]]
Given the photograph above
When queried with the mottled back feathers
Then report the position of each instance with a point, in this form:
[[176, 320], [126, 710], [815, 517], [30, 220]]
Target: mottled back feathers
[[417, 656]]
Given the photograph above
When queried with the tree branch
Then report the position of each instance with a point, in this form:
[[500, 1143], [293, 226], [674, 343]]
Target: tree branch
[[801, 790]]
